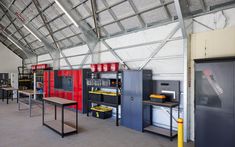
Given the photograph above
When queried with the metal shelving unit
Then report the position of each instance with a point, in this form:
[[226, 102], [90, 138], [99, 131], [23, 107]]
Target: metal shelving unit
[[96, 75], [158, 130]]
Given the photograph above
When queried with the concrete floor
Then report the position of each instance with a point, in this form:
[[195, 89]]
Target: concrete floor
[[18, 130]]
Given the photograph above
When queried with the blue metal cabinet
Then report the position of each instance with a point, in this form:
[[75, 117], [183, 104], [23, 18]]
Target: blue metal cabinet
[[136, 87]]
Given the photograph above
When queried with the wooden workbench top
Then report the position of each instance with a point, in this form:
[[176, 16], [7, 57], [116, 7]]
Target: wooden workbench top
[[166, 104], [28, 92], [9, 88], [58, 100]]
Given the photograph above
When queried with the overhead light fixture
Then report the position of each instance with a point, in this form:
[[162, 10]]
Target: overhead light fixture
[[33, 33], [14, 43], [69, 16]]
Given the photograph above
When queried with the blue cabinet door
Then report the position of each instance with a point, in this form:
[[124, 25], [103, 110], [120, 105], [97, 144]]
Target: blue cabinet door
[[132, 100], [126, 116]]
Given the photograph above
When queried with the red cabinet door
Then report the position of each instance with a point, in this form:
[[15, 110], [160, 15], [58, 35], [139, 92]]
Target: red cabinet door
[[45, 83], [61, 93]]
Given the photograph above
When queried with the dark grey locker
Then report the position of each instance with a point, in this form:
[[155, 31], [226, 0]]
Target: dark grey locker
[[136, 85], [214, 104]]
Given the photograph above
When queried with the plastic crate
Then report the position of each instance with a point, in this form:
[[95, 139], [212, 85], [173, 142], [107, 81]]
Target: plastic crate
[[95, 96], [100, 67], [93, 67], [111, 99], [106, 67], [114, 66], [101, 112]]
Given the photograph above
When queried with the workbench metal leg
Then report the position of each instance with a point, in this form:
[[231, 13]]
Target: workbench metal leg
[[88, 108], [3, 95], [62, 123], [18, 96], [17, 100], [77, 117], [12, 94], [171, 123], [117, 115], [43, 112], [30, 106], [55, 112], [7, 97]]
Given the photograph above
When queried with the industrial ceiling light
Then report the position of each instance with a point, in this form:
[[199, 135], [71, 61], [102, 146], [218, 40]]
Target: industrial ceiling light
[[14, 43], [69, 16], [33, 33]]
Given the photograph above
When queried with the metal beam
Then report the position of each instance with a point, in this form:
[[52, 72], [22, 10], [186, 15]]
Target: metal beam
[[202, 2], [180, 18], [26, 51], [166, 9], [90, 36], [160, 47], [180, 8], [95, 16], [113, 15], [136, 11], [12, 2], [17, 28], [202, 24], [49, 29], [114, 53], [144, 11], [53, 52]]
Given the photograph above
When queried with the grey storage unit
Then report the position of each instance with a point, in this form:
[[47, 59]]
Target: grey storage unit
[[214, 102], [136, 87]]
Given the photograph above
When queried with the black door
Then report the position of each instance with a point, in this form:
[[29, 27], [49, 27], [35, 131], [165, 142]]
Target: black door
[[214, 122]]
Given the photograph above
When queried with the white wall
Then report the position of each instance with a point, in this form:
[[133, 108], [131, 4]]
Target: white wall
[[219, 40], [9, 61]]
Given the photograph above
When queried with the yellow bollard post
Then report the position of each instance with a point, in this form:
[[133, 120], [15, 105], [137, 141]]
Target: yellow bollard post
[[180, 133]]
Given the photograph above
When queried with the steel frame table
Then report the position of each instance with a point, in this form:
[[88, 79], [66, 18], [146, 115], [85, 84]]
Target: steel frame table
[[30, 94], [8, 94], [161, 131], [55, 124]]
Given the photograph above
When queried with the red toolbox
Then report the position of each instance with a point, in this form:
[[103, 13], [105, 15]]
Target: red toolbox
[[106, 67], [100, 67], [115, 66], [93, 67]]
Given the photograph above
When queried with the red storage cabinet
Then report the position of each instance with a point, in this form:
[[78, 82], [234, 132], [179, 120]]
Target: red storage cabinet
[[79, 91]]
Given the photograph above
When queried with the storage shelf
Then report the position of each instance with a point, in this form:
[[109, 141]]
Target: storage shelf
[[104, 87], [103, 103], [161, 131], [107, 72], [56, 125]]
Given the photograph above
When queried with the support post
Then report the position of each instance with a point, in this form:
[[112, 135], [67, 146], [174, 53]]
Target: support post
[[180, 133]]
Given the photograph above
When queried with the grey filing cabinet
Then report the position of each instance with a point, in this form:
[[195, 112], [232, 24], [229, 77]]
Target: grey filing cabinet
[[136, 87], [214, 102]]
